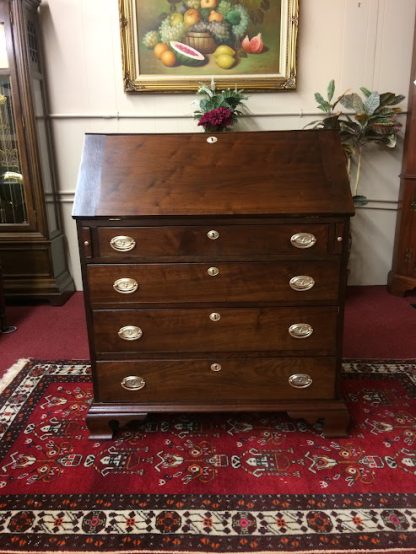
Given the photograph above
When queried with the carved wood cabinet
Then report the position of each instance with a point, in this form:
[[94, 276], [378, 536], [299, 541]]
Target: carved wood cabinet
[[402, 277], [214, 270], [32, 244]]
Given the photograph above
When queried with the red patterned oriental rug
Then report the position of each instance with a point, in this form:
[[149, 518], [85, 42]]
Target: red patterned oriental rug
[[231, 483]]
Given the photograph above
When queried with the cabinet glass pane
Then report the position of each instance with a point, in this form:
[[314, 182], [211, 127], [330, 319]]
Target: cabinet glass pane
[[4, 62], [12, 200], [45, 163]]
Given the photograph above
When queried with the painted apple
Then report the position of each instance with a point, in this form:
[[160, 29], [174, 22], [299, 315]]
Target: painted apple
[[209, 3], [215, 16], [190, 17]]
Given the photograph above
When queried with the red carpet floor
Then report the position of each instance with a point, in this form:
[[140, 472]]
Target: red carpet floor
[[237, 483], [207, 483], [377, 325]]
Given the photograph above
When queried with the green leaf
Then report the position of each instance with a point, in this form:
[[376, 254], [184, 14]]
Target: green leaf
[[319, 98], [387, 99], [357, 103], [330, 122], [397, 99], [205, 89], [316, 124], [352, 102], [391, 99], [372, 102], [365, 91], [324, 105], [360, 200], [353, 125], [331, 89]]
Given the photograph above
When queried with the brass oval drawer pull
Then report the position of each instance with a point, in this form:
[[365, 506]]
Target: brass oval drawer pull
[[216, 367], [130, 332], [122, 243], [213, 235], [301, 282], [300, 380], [215, 316], [133, 382], [213, 271], [300, 330], [125, 285], [303, 240]]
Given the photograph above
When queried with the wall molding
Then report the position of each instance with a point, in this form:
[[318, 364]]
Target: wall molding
[[117, 116], [67, 197]]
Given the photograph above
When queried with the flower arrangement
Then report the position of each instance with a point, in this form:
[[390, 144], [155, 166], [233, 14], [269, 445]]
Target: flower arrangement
[[370, 117], [218, 110]]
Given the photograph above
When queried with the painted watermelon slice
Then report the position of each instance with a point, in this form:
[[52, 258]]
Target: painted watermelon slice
[[186, 55]]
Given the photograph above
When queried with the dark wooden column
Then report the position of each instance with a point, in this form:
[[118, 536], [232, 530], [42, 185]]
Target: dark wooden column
[[4, 326], [402, 277]]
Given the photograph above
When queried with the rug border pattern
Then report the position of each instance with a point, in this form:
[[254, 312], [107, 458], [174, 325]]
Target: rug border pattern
[[209, 523]]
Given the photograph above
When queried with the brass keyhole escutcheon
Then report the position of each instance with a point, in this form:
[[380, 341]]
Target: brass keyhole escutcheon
[[213, 234], [215, 316], [213, 271]]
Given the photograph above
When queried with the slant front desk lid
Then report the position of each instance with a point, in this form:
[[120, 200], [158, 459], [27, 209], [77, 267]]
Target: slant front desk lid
[[235, 173]]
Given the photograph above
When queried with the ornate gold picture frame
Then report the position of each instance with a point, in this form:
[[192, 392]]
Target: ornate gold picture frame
[[174, 45]]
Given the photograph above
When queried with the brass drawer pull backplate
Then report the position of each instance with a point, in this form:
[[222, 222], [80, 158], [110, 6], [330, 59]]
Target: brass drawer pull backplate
[[303, 240], [216, 367], [301, 282], [300, 330], [133, 382], [125, 285], [122, 243], [300, 380], [130, 332]]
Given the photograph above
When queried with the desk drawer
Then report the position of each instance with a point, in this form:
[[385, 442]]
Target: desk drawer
[[216, 380], [215, 329], [178, 243], [223, 282]]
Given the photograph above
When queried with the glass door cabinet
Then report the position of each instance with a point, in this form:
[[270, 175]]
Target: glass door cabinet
[[32, 244]]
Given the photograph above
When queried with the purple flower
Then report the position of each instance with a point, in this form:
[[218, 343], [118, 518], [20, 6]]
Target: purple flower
[[219, 117]]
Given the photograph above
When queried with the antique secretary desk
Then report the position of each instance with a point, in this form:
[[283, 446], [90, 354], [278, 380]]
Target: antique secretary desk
[[214, 269]]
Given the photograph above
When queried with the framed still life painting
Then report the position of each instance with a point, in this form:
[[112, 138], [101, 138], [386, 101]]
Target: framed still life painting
[[174, 45]]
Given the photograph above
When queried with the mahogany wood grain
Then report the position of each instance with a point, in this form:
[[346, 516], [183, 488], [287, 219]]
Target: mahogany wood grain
[[194, 382], [33, 247], [286, 172], [192, 330], [179, 243], [336, 418], [236, 282], [256, 190], [402, 277], [105, 419]]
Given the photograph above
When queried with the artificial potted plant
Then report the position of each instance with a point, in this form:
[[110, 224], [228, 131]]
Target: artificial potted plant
[[360, 119], [218, 110]]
